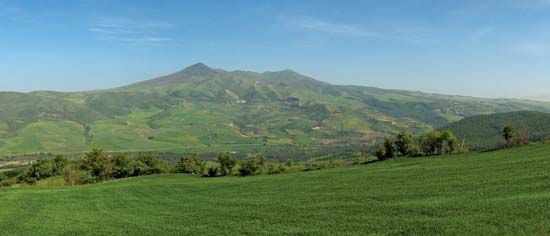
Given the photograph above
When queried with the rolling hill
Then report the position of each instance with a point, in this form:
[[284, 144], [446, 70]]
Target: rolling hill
[[202, 109], [484, 132], [495, 193]]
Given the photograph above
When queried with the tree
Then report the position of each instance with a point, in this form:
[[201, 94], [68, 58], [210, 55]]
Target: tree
[[60, 163], [430, 143], [508, 133], [438, 142], [381, 153], [191, 165], [123, 166], [227, 163], [449, 138], [405, 144], [389, 147], [386, 150], [98, 164]]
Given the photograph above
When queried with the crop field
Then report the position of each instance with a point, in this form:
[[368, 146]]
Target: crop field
[[496, 193]]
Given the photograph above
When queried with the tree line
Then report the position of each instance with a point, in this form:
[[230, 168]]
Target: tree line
[[436, 142], [405, 144], [97, 166]]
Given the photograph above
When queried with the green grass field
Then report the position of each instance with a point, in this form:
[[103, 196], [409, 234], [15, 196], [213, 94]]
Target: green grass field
[[498, 193]]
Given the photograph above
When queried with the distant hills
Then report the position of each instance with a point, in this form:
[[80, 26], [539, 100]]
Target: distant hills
[[484, 132], [205, 109]]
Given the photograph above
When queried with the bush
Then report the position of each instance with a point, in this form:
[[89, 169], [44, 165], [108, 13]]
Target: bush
[[254, 166], [10, 174], [8, 182], [43, 169], [249, 167], [276, 168], [148, 165], [191, 165], [76, 176]]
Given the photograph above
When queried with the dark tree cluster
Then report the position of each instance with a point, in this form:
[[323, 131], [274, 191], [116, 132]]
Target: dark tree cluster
[[97, 166], [405, 145], [41, 169]]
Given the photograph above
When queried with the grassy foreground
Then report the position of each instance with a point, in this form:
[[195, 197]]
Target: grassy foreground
[[505, 192]]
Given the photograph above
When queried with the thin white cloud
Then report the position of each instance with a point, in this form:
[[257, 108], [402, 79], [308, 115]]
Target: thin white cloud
[[403, 32], [108, 22], [328, 27], [131, 31]]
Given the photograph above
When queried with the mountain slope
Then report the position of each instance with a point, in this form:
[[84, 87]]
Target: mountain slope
[[205, 109], [485, 131]]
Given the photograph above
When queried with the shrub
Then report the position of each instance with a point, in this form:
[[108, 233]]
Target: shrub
[[76, 176], [148, 165], [289, 163], [276, 168], [254, 166], [8, 182], [249, 167]]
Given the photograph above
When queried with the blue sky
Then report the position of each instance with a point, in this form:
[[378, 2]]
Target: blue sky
[[484, 48]]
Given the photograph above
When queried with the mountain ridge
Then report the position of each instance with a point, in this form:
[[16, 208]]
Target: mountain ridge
[[215, 109]]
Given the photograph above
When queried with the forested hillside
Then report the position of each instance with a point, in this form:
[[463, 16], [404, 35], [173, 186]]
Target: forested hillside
[[485, 131]]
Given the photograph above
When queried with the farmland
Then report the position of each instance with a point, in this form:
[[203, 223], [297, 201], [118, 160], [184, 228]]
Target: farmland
[[493, 193]]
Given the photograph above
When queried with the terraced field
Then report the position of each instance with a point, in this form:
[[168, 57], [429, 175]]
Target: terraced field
[[497, 193]]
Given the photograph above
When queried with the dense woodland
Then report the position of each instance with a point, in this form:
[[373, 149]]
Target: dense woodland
[[483, 132]]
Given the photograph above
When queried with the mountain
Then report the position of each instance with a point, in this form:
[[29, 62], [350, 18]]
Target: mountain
[[484, 132], [204, 109]]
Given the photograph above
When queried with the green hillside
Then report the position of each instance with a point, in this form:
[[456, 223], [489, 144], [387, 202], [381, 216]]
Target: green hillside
[[204, 109], [485, 131], [496, 193]]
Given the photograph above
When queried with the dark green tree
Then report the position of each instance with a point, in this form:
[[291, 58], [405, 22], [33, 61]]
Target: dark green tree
[[389, 147], [227, 163], [123, 166], [191, 165], [450, 140], [405, 144], [381, 153], [98, 164], [508, 133]]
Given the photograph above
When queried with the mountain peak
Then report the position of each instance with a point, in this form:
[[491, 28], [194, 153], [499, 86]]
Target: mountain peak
[[199, 65], [199, 69]]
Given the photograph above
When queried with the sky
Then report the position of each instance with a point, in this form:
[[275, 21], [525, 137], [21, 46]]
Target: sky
[[482, 48]]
